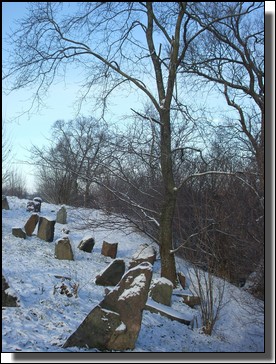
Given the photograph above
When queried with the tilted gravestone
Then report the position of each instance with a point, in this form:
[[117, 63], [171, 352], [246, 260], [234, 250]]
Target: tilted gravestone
[[87, 245], [112, 274], [114, 324], [7, 299], [46, 229], [31, 224], [18, 233], [182, 279]]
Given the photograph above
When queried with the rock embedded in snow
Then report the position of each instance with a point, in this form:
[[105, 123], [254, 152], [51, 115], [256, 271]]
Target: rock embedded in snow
[[62, 216], [46, 229], [31, 224], [5, 204], [169, 312], [115, 323], [63, 249], [109, 249], [18, 233], [87, 245], [112, 274], [161, 290]]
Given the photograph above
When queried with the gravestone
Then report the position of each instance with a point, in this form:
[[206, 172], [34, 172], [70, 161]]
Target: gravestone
[[115, 323], [5, 204], [31, 224], [63, 249], [46, 229], [109, 249], [112, 274], [144, 253], [18, 233], [87, 245], [62, 216]]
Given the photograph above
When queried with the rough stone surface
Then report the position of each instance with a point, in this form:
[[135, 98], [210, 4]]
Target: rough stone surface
[[19, 233], [87, 245], [161, 291], [182, 279], [109, 249], [190, 300], [62, 216], [5, 204], [31, 224], [63, 249], [112, 274], [115, 323], [46, 229], [7, 299]]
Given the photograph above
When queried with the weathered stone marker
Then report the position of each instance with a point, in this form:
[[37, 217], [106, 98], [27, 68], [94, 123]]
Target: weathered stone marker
[[115, 323]]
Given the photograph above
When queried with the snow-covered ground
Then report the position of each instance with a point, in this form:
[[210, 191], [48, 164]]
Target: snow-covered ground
[[44, 319]]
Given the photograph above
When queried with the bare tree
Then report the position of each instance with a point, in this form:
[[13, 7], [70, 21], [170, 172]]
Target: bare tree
[[230, 55], [73, 160], [137, 45], [6, 155], [15, 184], [210, 290]]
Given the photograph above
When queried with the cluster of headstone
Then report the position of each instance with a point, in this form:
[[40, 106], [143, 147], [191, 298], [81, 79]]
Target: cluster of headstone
[[46, 226], [114, 324], [45, 231]]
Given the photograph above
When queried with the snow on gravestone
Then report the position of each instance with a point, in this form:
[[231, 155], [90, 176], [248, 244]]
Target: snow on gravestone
[[63, 249], [161, 290], [115, 323], [144, 253]]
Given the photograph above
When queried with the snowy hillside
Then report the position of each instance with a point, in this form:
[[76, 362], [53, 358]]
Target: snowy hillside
[[45, 319]]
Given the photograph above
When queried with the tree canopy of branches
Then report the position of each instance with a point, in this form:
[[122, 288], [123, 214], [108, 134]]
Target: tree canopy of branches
[[72, 160], [145, 46]]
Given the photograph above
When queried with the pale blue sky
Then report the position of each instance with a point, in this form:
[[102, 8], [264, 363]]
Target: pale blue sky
[[60, 104]]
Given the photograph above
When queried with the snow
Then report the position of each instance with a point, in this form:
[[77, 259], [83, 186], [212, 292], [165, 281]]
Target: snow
[[161, 280], [169, 310], [135, 287], [45, 318], [143, 252], [121, 327]]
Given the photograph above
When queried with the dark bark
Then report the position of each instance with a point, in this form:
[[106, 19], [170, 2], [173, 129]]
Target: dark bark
[[168, 269]]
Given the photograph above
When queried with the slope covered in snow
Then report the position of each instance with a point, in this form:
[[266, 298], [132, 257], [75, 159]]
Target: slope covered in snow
[[45, 318]]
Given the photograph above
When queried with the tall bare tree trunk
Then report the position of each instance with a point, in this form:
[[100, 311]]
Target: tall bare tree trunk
[[168, 269]]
